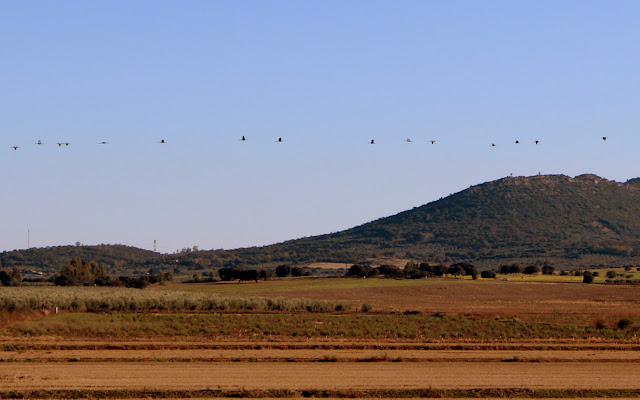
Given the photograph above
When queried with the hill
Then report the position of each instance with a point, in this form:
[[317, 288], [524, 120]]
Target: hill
[[50, 259], [586, 220], [569, 222]]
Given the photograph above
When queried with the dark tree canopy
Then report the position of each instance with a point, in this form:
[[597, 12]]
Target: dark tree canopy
[[78, 272]]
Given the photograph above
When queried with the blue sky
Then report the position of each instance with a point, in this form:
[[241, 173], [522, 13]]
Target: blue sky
[[327, 77]]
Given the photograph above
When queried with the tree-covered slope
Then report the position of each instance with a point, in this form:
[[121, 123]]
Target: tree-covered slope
[[569, 222], [51, 259], [521, 216], [554, 218]]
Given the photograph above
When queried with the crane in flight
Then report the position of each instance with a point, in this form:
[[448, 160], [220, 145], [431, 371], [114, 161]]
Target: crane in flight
[[103, 143], [39, 142], [243, 139], [409, 140], [537, 141], [372, 142], [432, 141], [162, 141], [15, 147], [604, 138], [279, 140]]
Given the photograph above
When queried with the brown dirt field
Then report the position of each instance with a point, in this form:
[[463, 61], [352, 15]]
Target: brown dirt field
[[485, 298], [197, 343], [249, 376], [323, 355]]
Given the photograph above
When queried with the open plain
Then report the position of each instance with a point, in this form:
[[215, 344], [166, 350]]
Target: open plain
[[417, 339]]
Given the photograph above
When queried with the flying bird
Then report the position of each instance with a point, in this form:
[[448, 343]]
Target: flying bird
[[279, 140], [39, 142], [15, 147], [103, 143], [604, 138], [372, 142], [409, 140], [59, 144], [517, 142], [432, 141], [162, 141], [537, 141], [243, 139], [493, 145]]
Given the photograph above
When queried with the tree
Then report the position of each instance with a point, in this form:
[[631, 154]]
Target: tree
[[390, 271], [230, 274], [283, 271], [412, 271], [12, 278], [78, 272], [358, 271], [531, 270], [455, 270], [515, 268], [440, 270], [264, 274], [611, 274], [547, 270], [488, 274], [587, 277]]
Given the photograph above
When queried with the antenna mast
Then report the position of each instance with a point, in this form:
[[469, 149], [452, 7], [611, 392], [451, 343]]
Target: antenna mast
[[154, 246]]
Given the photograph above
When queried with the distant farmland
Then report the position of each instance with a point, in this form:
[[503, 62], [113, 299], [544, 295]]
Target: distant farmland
[[387, 339]]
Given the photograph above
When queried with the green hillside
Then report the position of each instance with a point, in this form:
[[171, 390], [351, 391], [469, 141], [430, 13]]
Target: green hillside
[[50, 259], [570, 222], [578, 221]]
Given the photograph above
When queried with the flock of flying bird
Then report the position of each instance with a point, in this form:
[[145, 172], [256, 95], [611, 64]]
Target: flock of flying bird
[[244, 139]]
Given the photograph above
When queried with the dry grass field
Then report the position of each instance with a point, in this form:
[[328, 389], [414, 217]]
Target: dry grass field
[[452, 296], [460, 338]]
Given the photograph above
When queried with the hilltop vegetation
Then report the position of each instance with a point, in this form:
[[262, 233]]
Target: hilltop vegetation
[[554, 219], [568, 222]]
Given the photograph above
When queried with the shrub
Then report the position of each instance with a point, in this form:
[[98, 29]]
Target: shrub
[[587, 277], [488, 274], [600, 324], [366, 307], [81, 298], [624, 324]]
